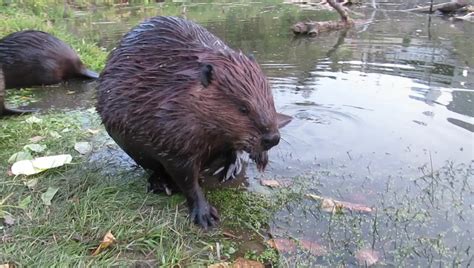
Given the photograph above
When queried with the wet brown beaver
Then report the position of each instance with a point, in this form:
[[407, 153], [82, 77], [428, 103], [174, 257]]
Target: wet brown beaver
[[31, 58], [176, 98]]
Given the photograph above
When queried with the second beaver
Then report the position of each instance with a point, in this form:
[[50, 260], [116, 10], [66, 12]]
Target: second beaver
[[176, 98], [32, 58]]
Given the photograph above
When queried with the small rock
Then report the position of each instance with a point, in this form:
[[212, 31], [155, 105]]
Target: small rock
[[83, 147]]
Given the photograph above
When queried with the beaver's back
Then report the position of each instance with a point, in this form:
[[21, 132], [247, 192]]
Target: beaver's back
[[154, 63]]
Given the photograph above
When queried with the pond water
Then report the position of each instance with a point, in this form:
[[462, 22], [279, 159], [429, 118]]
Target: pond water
[[376, 110]]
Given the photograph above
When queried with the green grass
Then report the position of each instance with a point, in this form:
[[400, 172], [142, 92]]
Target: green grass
[[94, 197], [41, 15]]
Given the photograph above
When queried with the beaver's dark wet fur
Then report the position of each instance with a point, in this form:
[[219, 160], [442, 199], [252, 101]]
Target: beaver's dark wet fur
[[32, 58], [175, 98], [4, 110]]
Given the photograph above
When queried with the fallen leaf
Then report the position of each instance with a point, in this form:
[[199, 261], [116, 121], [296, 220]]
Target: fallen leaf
[[93, 131], [367, 257], [25, 202], [33, 120], [37, 165], [282, 245], [31, 183], [331, 205], [6, 265], [270, 183], [313, 248], [8, 220], [244, 263], [219, 265], [276, 183], [19, 156], [83, 147], [49, 195], [55, 134], [108, 240], [37, 148], [36, 139], [356, 207]]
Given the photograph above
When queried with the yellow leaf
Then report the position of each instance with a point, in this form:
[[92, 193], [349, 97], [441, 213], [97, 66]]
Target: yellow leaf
[[244, 263], [270, 183], [332, 205], [108, 240], [219, 265]]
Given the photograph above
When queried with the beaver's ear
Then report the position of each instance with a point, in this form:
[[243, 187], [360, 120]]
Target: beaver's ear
[[283, 120], [206, 74]]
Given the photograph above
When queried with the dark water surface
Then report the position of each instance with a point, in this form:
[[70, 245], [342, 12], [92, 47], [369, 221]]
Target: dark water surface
[[376, 109]]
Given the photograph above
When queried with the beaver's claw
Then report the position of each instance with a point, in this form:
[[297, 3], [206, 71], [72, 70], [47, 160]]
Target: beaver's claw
[[205, 215]]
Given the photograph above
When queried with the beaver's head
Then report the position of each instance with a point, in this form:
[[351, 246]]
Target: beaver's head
[[237, 103]]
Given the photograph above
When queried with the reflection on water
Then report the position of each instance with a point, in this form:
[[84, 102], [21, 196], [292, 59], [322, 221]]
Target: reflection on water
[[371, 106]]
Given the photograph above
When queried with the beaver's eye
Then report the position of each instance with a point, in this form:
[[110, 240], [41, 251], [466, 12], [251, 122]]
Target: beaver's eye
[[244, 110]]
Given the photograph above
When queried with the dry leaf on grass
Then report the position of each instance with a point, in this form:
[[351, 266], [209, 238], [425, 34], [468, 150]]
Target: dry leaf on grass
[[33, 120], [107, 241], [275, 183], [49, 195], [313, 248], [37, 165], [36, 139], [31, 183], [6, 265], [55, 134], [19, 156], [331, 205], [93, 131], [37, 148], [244, 263], [270, 183], [282, 245], [220, 265], [367, 257], [25, 202]]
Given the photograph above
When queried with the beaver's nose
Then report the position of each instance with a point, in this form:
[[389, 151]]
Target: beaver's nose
[[269, 140]]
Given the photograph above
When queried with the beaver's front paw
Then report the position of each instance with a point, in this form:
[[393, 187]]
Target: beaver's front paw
[[204, 215]]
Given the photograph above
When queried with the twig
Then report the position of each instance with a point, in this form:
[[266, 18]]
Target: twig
[[314, 28]]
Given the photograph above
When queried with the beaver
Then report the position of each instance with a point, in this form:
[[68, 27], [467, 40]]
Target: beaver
[[175, 98], [32, 58]]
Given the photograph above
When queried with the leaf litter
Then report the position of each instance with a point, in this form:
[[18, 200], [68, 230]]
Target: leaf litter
[[49, 195], [37, 165], [332, 205], [107, 241]]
